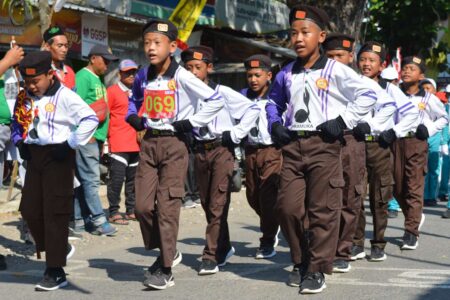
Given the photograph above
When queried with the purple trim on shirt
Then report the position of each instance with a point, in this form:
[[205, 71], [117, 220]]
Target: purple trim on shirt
[[405, 107], [370, 94], [405, 110]]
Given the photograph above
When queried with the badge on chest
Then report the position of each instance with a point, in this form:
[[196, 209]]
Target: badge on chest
[[159, 104]]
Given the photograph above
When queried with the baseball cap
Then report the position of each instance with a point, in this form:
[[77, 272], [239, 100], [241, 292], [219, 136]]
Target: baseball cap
[[103, 51], [127, 64]]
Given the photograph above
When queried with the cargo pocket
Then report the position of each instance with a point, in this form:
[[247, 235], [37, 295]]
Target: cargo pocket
[[334, 200], [386, 188], [176, 192], [359, 192], [222, 199]]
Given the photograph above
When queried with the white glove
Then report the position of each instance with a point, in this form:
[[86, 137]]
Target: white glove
[[444, 149]]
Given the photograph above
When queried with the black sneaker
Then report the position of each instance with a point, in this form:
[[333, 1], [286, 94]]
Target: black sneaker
[[392, 214], [377, 254], [296, 275], [443, 198], [70, 251], [446, 214], [357, 253], [410, 241], [208, 267], [265, 252], [430, 203], [313, 283], [159, 281], [54, 278], [157, 264], [230, 253], [341, 266], [2, 263]]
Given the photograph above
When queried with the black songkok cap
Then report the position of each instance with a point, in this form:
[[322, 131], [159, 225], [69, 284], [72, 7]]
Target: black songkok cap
[[338, 41], [52, 32], [203, 53], [374, 47], [35, 63], [258, 61], [415, 60], [161, 26], [310, 13]]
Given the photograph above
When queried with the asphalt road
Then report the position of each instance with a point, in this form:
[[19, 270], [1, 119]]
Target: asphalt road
[[112, 267]]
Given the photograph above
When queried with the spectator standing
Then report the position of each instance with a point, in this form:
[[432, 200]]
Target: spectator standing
[[123, 145], [90, 88]]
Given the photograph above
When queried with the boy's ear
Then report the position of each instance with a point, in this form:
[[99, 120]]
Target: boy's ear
[[322, 36], [352, 55], [269, 75], [173, 47], [46, 47], [422, 76], [209, 68]]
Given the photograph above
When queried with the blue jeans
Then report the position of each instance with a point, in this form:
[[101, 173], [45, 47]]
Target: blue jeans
[[88, 207], [432, 177]]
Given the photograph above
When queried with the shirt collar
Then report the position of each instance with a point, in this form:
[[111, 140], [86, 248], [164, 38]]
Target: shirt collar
[[212, 84], [420, 93], [57, 69], [318, 65], [170, 72], [123, 87], [253, 95], [51, 91]]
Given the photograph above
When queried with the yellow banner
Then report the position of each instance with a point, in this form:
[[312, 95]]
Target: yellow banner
[[185, 15]]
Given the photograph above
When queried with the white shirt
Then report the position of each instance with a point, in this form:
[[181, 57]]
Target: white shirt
[[313, 96], [237, 108], [260, 133], [59, 116], [180, 90], [432, 112]]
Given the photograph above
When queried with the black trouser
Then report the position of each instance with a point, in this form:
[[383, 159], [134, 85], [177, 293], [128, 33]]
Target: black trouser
[[190, 183], [123, 166]]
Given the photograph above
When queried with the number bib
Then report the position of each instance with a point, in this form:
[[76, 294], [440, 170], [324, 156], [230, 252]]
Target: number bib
[[159, 104]]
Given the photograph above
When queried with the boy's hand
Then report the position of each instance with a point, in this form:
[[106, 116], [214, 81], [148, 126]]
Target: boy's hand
[[227, 141], [360, 131], [280, 134], [14, 56], [333, 128], [422, 132], [182, 126], [135, 122], [386, 138]]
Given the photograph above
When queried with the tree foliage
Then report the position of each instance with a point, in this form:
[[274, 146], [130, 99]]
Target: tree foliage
[[412, 25]]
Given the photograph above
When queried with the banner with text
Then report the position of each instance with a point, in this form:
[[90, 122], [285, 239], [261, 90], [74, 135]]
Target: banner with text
[[253, 16], [94, 31]]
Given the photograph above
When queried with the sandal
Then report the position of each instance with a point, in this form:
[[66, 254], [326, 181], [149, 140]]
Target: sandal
[[118, 220], [130, 217]]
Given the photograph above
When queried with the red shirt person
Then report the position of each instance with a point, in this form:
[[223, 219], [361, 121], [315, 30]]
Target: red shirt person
[[123, 145]]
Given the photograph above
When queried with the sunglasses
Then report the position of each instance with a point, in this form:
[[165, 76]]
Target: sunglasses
[[129, 73]]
